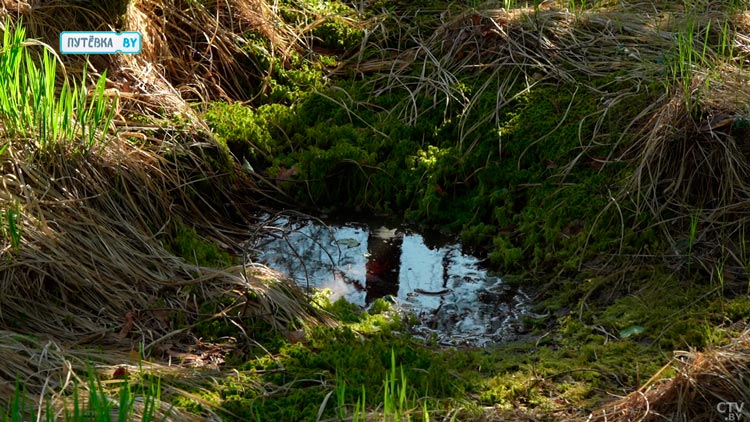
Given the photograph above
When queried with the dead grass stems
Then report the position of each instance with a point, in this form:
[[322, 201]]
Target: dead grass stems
[[703, 380], [90, 267], [83, 261]]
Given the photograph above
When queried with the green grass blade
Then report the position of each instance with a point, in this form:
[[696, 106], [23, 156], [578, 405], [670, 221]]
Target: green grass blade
[[15, 236]]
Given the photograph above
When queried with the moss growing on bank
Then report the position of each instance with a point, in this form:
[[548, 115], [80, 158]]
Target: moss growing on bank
[[509, 193], [186, 243], [579, 360]]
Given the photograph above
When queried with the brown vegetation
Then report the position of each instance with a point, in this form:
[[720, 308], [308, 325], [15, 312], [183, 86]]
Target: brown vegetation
[[703, 389], [90, 267]]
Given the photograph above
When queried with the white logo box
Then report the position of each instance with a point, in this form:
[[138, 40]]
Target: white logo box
[[96, 42]]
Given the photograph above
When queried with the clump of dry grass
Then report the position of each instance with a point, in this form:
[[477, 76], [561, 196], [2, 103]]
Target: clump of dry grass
[[89, 267], [82, 259], [703, 381], [201, 48], [52, 373], [692, 166], [88, 224], [511, 51]]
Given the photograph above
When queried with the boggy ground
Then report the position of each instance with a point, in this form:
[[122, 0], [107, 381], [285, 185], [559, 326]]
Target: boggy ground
[[594, 152]]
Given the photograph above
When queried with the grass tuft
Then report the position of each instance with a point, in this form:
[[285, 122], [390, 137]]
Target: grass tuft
[[32, 108]]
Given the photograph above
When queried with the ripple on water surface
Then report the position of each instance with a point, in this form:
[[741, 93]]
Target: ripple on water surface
[[453, 297]]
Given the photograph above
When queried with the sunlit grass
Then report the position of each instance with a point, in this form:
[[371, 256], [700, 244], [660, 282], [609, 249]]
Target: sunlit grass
[[139, 402], [399, 402], [33, 109]]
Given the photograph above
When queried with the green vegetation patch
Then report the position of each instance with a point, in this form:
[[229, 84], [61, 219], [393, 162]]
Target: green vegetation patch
[[297, 376], [329, 368], [187, 244], [510, 192]]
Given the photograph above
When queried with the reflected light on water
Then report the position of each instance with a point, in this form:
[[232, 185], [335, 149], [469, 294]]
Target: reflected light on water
[[453, 297]]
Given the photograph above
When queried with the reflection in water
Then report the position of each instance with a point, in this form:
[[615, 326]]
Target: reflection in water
[[453, 297], [383, 257]]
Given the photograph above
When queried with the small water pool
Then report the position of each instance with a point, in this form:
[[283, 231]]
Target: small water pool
[[452, 296]]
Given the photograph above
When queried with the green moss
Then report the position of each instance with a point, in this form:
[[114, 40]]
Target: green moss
[[299, 403], [736, 309], [577, 362], [672, 314], [297, 377], [380, 306], [238, 128], [537, 377], [338, 356], [196, 250], [505, 254], [507, 197], [338, 31], [585, 354], [343, 311]]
